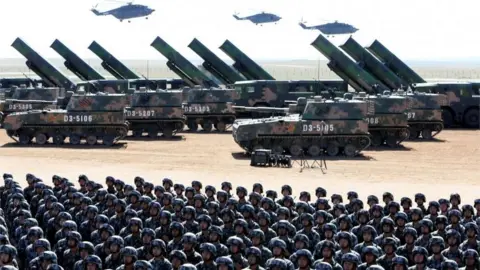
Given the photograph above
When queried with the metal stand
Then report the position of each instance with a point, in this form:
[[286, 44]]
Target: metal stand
[[313, 163]]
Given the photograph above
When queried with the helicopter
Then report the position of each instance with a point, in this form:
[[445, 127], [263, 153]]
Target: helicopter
[[331, 29], [260, 18], [126, 12]]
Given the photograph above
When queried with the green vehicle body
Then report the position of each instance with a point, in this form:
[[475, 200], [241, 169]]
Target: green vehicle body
[[312, 126], [92, 117], [424, 114], [155, 112], [25, 99], [463, 98], [209, 108], [389, 124]]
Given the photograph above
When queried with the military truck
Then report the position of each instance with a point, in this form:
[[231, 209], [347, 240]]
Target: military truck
[[389, 124], [155, 112], [424, 114], [89, 117], [209, 108], [313, 126], [21, 99]]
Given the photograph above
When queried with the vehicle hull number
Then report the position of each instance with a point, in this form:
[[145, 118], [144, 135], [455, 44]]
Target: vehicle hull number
[[140, 113], [325, 128], [411, 115], [78, 118], [20, 106], [196, 109], [372, 120]]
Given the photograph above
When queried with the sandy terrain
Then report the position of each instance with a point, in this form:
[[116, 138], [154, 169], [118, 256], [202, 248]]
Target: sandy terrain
[[435, 168]]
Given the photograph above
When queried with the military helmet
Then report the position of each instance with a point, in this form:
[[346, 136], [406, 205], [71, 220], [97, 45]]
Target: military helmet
[[371, 250], [235, 241], [470, 253], [85, 245], [254, 251], [116, 240], [436, 240], [142, 265], [277, 242], [54, 267], [449, 264], [189, 238], [323, 266], [74, 235], [209, 247], [48, 256], [389, 241], [42, 242], [178, 254], [159, 243], [187, 266], [9, 250], [422, 251], [94, 259], [305, 253], [277, 263], [225, 261], [400, 260], [129, 251], [350, 257]]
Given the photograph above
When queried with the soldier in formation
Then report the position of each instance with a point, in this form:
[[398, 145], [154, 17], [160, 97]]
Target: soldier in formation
[[146, 227]]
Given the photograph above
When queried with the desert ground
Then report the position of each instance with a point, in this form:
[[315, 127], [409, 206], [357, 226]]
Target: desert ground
[[437, 168]]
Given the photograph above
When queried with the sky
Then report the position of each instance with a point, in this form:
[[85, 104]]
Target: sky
[[433, 30]]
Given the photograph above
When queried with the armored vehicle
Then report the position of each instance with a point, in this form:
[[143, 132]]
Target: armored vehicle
[[24, 99], [312, 126], [424, 114], [389, 124], [209, 108], [155, 112], [91, 117]]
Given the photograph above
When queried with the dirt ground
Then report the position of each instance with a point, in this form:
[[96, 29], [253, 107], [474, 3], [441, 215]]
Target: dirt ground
[[437, 168]]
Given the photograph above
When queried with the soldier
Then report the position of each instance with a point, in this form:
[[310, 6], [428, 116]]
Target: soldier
[[426, 227], [213, 209], [36, 249], [145, 251], [433, 208], [177, 213], [224, 263], [93, 262], [264, 221], [467, 214], [449, 265], [109, 205], [420, 199], [179, 189], [388, 228], [167, 202], [436, 245], [155, 214], [134, 239], [454, 216], [159, 251], [86, 249], [215, 236], [370, 255], [407, 249], [453, 252], [471, 232], [114, 260], [8, 253], [44, 260], [389, 246], [129, 255], [118, 221], [236, 247], [72, 254], [416, 218], [254, 258], [189, 241], [350, 261], [178, 259], [190, 224], [248, 213], [444, 206], [177, 230], [300, 241], [406, 204], [284, 229], [208, 251], [470, 259], [325, 253], [279, 251], [345, 242], [440, 224], [376, 214], [89, 225], [241, 231], [204, 225], [401, 220], [144, 212], [142, 265], [100, 221], [303, 259], [307, 224], [400, 263]]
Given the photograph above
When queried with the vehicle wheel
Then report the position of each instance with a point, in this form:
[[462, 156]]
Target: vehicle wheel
[[24, 139], [333, 149], [108, 140], [167, 132], [74, 139], [153, 133], [221, 126], [391, 141], [91, 139], [58, 139], [471, 118], [192, 126], [137, 133], [207, 126], [447, 118], [41, 139], [427, 134], [414, 134], [295, 150], [377, 139], [350, 150], [314, 150], [277, 149]]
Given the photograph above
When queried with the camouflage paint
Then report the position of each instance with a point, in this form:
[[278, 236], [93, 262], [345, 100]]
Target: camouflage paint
[[181, 66], [331, 125]]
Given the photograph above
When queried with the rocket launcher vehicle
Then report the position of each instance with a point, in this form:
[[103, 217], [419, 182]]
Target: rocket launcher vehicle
[[112, 64]]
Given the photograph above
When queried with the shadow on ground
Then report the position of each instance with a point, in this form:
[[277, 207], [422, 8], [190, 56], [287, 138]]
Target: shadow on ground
[[362, 157], [121, 145], [420, 140], [388, 148], [159, 138]]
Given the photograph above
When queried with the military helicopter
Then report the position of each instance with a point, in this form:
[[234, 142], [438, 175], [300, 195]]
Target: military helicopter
[[260, 18], [126, 12], [331, 29]]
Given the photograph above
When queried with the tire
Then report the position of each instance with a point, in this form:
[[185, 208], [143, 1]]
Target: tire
[[471, 118], [91, 139], [41, 139]]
